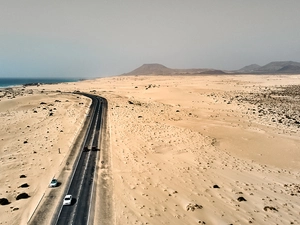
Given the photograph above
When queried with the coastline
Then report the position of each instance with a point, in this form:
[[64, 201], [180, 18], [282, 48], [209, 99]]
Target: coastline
[[31, 81]]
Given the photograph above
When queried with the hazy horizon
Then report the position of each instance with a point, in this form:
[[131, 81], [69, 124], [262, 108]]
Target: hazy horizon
[[99, 38]]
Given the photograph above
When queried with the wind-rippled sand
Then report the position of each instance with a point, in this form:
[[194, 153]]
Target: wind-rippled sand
[[184, 149]]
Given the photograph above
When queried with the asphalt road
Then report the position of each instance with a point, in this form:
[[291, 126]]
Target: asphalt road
[[81, 184]]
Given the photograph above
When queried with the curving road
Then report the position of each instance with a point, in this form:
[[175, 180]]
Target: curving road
[[81, 184], [81, 176]]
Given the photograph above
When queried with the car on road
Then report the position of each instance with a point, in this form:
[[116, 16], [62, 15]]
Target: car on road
[[53, 183], [94, 148], [67, 200]]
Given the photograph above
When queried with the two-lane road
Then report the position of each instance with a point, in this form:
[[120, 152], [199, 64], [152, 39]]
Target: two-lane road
[[81, 184], [78, 177]]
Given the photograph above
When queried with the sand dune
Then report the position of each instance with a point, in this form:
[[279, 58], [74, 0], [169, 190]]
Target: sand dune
[[184, 150]]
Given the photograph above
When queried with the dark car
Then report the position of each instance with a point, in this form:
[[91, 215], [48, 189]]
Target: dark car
[[53, 183]]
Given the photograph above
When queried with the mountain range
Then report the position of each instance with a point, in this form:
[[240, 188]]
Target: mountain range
[[158, 69], [279, 67]]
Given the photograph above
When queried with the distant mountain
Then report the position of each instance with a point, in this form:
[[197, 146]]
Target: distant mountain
[[250, 68], [289, 69], [153, 68], [213, 72], [274, 67], [158, 69], [278, 67]]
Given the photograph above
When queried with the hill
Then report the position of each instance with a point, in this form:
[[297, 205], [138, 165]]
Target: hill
[[154, 68], [290, 69], [274, 67], [250, 68], [277, 67], [158, 69]]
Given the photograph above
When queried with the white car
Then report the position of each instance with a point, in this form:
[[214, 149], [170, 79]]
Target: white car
[[67, 200]]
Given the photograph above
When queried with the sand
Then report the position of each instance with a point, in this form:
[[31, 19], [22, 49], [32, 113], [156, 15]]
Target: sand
[[184, 149], [37, 130]]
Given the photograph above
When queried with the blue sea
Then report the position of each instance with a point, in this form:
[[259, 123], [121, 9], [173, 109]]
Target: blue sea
[[9, 82]]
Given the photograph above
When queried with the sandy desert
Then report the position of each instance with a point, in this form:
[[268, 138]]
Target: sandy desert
[[209, 149]]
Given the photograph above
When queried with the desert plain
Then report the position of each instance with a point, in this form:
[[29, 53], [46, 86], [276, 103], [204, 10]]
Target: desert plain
[[199, 149]]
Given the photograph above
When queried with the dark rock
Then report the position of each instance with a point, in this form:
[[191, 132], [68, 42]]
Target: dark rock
[[241, 199], [4, 201], [22, 196], [192, 207], [266, 208], [24, 185]]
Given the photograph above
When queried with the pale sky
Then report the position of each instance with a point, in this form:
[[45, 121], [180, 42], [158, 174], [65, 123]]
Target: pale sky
[[94, 38]]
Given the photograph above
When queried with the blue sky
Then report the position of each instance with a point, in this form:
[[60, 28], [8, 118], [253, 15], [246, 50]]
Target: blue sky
[[100, 38]]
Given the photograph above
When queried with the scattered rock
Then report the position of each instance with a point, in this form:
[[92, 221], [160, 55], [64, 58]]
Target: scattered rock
[[241, 199], [192, 207], [22, 196], [4, 201], [24, 185], [266, 208]]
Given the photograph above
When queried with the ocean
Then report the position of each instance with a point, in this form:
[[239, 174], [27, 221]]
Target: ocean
[[9, 82]]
